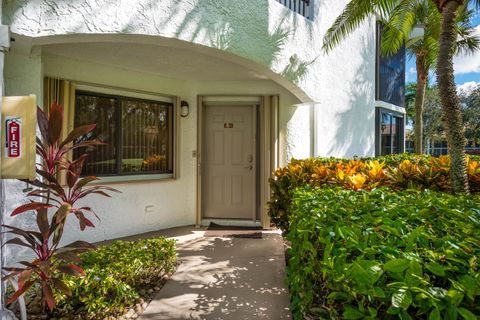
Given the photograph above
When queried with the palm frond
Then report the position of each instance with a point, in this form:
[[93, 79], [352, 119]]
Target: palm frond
[[352, 16]]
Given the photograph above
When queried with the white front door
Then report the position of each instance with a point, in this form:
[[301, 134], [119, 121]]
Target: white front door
[[228, 189]]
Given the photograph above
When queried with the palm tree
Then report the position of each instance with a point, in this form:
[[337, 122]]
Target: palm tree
[[449, 9], [424, 48], [403, 11]]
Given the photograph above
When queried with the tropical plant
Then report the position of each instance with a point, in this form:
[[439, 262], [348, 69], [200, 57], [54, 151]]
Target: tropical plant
[[383, 255], [449, 9], [398, 172], [471, 114], [51, 194], [116, 277], [433, 125], [403, 11]]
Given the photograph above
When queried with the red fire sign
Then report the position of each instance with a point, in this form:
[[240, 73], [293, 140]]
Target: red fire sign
[[13, 127]]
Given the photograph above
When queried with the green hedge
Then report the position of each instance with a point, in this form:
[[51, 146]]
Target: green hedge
[[115, 274], [399, 172], [384, 255]]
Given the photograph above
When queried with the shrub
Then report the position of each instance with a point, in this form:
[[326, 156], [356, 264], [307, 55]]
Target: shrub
[[115, 275], [399, 172], [50, 193], [382, 254]]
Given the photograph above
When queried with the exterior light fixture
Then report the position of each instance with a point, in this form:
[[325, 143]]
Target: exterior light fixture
[[184, 109]]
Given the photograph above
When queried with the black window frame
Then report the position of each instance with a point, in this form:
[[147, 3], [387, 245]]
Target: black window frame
[[119, 137], [379, 112]]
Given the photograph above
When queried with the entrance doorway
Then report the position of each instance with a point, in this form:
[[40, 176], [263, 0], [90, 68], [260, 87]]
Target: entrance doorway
[[229, 161]]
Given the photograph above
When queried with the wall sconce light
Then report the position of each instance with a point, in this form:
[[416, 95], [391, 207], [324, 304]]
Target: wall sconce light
[[184, 109]]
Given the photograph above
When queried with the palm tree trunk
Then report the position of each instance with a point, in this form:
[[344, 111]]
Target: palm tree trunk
[[422, 75], [449, 98]]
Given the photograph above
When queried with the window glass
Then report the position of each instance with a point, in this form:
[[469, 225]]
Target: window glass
[[146, 143], [386, 138], [138, 134], [101, 111], [390, 75], [391, 133]]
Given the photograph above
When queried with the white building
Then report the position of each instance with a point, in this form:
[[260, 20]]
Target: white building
[[258, 86]]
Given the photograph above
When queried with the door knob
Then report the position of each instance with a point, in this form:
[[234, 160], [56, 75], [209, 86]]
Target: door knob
[[250, 167]]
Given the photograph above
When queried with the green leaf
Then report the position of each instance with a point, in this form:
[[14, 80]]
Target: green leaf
[[466, 314], [435, 268], [378, 292], [402, 298], [396, 265], [403, 315], [455, 296], [435, 315], [451, 313], [352, 313]]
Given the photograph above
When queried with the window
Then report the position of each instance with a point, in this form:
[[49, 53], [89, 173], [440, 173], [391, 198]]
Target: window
[[389, 132], [138, 134], [302, 7], [390, 75]]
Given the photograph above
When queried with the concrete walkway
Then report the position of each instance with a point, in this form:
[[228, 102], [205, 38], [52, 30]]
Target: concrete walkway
[[224, 278]]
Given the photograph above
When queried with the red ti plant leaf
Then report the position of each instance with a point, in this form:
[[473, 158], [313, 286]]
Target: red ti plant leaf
[[42, 123], [60, 285], [72, 270], [84, 222], [18, 242], [81, 245], [30, 206], [20, 291], [68, 256], [48, 295], [42, 222], [62, 213], [55, 123], [24, 277], [74, 170], [57, 230], [77, 133], [84, 181]]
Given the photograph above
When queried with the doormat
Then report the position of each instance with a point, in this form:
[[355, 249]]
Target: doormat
[[217, 230]]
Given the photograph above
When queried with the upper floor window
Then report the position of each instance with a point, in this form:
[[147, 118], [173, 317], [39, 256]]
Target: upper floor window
[[138, 134], [390, 75], [302, 7]]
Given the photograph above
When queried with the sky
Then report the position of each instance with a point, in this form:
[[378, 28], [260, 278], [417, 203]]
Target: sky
[[467, 67]]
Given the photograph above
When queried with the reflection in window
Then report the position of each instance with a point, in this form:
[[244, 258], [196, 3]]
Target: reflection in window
[[138, 134], [391, 133]]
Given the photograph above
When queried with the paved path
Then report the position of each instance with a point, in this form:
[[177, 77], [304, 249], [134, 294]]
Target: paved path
[[225, 278]]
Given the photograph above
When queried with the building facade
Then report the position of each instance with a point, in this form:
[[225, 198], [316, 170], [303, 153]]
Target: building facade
[[200, 100]]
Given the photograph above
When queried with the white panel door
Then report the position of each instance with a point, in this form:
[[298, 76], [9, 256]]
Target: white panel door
[[228, 189]]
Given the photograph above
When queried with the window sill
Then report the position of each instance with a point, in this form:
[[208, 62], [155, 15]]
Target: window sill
[[389, 106], [135, 178]]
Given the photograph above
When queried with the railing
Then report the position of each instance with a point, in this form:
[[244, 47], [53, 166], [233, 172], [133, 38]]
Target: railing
[[439, 151], [302, 7]]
